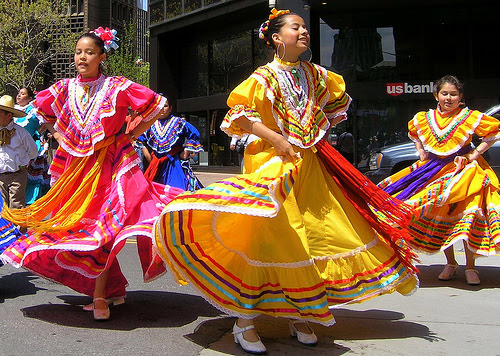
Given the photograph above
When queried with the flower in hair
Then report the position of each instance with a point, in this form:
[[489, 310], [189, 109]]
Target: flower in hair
[[277, 13], [108, 36]]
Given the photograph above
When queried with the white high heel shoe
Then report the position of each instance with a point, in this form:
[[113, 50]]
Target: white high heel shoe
[[305, 339], [256, 347]]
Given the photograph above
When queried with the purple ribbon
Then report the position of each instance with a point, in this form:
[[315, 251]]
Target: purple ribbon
[[416, 180]]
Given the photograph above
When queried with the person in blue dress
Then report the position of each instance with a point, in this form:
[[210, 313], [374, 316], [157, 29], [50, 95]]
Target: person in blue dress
[[38, 177], [171, 142]]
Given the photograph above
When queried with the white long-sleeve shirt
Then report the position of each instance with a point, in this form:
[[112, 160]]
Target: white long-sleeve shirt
[[21, 150]]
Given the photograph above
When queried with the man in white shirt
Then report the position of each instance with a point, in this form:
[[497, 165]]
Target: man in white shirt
[[245, 141], [17, 148]]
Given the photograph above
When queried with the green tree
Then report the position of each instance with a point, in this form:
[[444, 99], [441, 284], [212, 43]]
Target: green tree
[[32, 33], [125, 62]]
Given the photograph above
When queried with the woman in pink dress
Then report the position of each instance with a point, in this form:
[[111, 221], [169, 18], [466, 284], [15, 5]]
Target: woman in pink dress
[[99, 196]]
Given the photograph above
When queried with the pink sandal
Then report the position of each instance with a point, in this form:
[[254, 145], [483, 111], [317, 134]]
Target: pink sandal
[[110, 301], [472, 277], [448, 272], [101, 314]]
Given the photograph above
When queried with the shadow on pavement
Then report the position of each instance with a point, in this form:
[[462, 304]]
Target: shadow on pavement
[[376, 324], [489, 275], [351, 325], [17, 284], [273, 333], [142, 309]]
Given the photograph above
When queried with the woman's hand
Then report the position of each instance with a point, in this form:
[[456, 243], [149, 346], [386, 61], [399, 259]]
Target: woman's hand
[[338, 119], [185, 154], [424, 155], [42, 128], [146, 154], [130, 138], [285, 149], [479, 150], [472, 155]]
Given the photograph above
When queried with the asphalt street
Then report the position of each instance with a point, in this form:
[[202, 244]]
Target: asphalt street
[[39, 317]]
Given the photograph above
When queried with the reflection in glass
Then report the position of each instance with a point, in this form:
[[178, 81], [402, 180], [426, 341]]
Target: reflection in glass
[[326, 43], [365, 55], [232, 59], [359, 54], [230, 62], [190, 5], [194, 70], [156, 10], [174, 8], [262, 54]]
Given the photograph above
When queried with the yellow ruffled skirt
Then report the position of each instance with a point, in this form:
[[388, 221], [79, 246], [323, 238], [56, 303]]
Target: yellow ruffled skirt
[[460, 203], [281, 241]]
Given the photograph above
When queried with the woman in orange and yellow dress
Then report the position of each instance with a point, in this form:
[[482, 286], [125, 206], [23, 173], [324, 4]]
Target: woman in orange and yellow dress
[[288, 238]]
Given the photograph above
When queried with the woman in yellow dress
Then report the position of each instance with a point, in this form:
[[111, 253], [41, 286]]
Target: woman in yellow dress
[[288, 238], [453, 190]]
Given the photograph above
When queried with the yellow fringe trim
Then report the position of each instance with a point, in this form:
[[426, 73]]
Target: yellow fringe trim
[[74, 208]]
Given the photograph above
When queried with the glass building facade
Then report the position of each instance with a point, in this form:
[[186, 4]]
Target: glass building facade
[[389, 55], [390, 59]]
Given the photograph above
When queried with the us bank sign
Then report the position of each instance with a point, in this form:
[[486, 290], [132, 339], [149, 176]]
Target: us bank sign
[[396, 89]]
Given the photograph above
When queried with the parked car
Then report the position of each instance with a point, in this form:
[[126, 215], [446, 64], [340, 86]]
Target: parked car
[[391, 159]]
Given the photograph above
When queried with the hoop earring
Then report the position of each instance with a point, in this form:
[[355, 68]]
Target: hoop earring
[[278, 52]]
